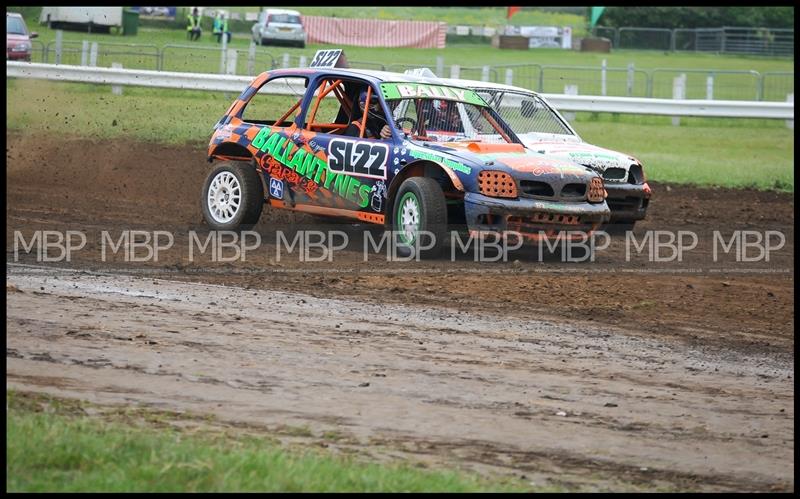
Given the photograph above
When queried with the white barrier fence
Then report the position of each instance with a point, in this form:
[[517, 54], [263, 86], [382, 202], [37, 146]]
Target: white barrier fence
[[231, 83]]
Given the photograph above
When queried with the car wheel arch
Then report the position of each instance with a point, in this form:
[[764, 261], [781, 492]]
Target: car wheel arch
[[423, 168], [232, 151]]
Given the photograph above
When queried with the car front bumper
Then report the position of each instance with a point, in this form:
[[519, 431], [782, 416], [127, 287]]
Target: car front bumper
[[628, 202], [532, 218], [18, 56]]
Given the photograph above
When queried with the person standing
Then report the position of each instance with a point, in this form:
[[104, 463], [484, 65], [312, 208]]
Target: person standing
[[221, 27], [193, 27]]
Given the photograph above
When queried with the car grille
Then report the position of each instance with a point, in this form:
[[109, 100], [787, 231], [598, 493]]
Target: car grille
[[536, 188], [573, 191], [615, 174]]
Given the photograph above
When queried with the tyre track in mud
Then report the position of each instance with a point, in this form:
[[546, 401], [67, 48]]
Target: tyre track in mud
[[562, 402]]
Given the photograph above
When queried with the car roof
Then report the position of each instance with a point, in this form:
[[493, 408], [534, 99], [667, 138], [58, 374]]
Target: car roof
[[14, 14], [283, 11], [374, 76]]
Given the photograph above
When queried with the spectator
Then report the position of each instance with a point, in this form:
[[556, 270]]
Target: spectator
[[221, 27], [193, 27]]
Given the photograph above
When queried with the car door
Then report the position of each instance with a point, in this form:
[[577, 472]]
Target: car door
[[357, 169]]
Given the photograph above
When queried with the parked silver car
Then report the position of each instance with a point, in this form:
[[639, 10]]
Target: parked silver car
[[277, 26]]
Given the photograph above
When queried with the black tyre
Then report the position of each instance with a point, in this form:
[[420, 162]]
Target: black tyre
[[420, 207], [233, 196]]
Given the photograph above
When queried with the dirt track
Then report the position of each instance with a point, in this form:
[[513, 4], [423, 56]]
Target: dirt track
[[699, 364]]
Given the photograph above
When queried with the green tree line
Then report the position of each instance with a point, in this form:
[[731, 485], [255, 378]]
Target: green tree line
[[698, 17]]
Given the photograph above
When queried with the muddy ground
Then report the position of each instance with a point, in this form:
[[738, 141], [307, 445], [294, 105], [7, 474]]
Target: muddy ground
[[696, 357]]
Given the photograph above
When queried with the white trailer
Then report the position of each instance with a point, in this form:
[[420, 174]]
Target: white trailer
[[102, 17]]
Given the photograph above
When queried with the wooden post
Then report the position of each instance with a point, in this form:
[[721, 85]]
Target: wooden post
[[223, 54], [509, 76], [710, 87], [631, 74], [116, 89], [251, 58], [93, 55], [85, 53], [678, 92], [455, 71], [231, 62], [59, 45], [603, 77], [570, 90]]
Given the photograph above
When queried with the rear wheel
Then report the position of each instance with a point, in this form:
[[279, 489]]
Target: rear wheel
[[420, 207], [233, 196]]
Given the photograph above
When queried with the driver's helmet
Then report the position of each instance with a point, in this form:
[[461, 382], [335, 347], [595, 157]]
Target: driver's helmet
[[441, 105], [373, 101]]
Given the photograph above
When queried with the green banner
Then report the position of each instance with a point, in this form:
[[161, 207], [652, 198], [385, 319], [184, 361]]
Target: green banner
[[393, 91], [596, 13]]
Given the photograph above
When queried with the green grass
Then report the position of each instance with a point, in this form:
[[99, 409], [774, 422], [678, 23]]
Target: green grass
[[759, 156], [702, 151], [52, 446]]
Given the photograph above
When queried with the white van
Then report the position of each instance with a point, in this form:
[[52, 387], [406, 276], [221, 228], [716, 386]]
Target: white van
[[101, 17]]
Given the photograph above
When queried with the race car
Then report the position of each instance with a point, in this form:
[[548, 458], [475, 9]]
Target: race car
[[407, 152], [542, 129]]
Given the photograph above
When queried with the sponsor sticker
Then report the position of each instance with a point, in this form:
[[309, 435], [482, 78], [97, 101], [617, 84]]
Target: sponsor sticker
[[276, 188]]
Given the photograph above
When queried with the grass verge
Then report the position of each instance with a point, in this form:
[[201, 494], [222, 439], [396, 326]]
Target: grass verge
[[53, 445]]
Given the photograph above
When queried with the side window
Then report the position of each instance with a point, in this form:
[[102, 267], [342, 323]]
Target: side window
[[277, 102], [332, 107]]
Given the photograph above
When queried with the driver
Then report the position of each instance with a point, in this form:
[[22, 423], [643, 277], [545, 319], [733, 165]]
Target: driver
[[376, 126], [444, 117]]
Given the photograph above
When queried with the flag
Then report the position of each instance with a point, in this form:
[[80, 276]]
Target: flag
[[512, 11], [596, 13]]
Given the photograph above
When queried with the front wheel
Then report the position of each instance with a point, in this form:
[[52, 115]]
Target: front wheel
[[233, 196], [420, 208]]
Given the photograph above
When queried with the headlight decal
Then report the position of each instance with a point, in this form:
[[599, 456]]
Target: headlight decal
[[497, 184]]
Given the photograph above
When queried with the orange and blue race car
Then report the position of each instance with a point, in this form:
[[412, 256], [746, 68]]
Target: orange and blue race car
[[404, 151]]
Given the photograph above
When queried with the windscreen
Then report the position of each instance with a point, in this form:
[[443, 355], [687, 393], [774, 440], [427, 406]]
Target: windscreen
[[15, 26], [525, 113], [440, 120]]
